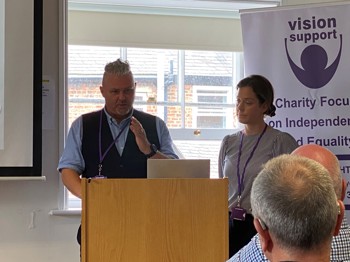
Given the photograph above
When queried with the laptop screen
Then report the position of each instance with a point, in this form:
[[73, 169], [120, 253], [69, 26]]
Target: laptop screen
[[178, 168]]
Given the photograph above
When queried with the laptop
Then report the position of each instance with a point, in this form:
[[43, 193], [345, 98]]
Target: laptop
[[178, 168]]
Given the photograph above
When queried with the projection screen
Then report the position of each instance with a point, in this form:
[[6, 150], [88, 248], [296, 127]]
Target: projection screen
[[20, 87]]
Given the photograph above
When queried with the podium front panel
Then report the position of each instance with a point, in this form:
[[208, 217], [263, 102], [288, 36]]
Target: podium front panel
[[155, 220]]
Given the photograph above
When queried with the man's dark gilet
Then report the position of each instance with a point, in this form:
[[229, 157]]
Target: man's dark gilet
[[132, 163]]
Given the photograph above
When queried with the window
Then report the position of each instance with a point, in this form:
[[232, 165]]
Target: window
[[210, 112], [178, 79], [194, 95]]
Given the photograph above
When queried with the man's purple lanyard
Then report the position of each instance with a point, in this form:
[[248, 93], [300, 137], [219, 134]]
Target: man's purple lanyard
[[102, 156], [241, 177]]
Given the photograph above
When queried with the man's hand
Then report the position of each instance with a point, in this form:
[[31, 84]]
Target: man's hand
[[140, 136]]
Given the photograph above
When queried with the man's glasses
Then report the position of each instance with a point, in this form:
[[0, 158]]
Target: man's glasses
[[262, 224]]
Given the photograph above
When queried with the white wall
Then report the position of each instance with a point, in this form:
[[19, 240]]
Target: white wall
[[27, 231]]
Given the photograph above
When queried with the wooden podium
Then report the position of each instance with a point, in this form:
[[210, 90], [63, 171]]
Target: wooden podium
[[150, 220]]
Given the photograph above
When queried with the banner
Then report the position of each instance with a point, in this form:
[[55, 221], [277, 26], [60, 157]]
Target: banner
[[305, 53]]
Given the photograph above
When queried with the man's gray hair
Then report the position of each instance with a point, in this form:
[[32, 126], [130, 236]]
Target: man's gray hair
[[119, 67], [294, 196]]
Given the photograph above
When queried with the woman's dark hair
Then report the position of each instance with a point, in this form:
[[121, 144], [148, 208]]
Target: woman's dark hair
[[262, 89]]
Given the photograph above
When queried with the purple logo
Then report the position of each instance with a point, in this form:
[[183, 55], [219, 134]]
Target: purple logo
[[314, 72]]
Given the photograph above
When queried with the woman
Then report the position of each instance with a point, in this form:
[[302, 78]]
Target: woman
[[242, 154]]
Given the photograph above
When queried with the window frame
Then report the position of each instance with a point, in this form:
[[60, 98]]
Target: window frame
[[220, 111]]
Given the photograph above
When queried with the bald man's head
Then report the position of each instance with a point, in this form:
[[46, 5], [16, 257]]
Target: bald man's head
[[326, 158]]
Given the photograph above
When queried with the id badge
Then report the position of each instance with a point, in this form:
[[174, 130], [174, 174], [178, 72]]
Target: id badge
[[238, 213], [96, 177], [99, 177]]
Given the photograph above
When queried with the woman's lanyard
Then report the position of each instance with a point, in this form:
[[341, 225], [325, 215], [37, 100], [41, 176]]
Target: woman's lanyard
[[102, 156], [239, 176]]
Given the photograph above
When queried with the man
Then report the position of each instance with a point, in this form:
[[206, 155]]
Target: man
[[340, 249], [116, 141], [295, 209]]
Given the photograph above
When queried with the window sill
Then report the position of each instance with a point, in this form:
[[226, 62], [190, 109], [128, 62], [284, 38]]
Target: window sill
[[67, 212], [23, 178]]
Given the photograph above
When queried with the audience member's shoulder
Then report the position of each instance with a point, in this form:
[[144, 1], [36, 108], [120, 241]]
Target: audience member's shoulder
[[251, 252]]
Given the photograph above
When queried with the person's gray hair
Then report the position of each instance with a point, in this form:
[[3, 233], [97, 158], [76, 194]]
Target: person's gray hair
[[118, 67], [294, 196]]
